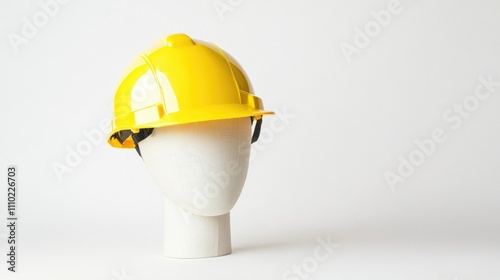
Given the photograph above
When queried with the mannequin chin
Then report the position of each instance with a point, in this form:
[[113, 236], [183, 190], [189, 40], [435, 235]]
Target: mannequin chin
[[201, 169]]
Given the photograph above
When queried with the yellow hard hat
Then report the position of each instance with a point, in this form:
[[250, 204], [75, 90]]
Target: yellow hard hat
[[181, 81]]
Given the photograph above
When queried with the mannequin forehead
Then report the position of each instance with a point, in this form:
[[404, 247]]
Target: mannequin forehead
[[231, 128], [203, 142]]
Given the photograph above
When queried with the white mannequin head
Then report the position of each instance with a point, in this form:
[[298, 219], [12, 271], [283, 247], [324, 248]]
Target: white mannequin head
[[188, 107], [201, 166]]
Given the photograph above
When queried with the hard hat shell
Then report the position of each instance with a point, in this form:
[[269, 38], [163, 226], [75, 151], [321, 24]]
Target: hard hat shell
[[181, 81]]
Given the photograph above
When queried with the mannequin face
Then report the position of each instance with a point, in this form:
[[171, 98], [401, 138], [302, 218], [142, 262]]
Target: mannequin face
[[200, 166]]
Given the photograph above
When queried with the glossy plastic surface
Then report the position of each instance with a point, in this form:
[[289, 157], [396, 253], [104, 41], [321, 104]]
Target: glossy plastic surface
[[182, 81]]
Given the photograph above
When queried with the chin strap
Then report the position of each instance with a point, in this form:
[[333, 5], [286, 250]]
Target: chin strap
[[139, 136], [256, 132], [136, 137]]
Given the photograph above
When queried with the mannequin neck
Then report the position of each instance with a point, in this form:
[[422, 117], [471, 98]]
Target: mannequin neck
[[192, 236]]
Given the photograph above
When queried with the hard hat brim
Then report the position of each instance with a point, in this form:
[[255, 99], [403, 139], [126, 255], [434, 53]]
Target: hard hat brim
[[206, 113]]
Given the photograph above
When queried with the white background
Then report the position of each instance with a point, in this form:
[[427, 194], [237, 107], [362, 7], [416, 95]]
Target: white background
[[321, 175]]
